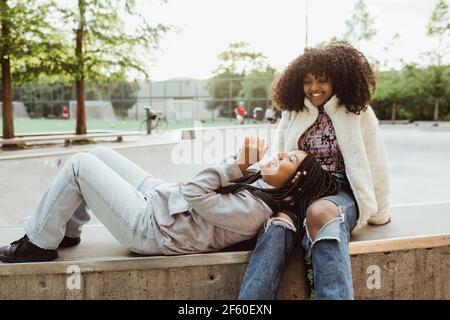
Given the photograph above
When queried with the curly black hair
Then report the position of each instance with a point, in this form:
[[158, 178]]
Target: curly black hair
[[351, 74]]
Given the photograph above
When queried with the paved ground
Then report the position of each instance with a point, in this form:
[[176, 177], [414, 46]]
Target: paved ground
[[419, 159], [419, 163]]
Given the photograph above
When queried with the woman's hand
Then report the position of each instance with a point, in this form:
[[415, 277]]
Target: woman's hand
[[252, 151]]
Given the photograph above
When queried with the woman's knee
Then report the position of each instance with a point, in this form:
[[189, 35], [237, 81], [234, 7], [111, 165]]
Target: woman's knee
[[100, 151], [80, 160], [318, 214], [281, 219]]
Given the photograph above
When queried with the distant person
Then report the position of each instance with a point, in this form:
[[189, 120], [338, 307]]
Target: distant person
[[220, 206], [240, 113], [269, 115], [324, 94], [65, 112], [258, 114]]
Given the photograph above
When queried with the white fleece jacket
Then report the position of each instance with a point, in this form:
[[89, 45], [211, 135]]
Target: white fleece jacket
[[362, 148]]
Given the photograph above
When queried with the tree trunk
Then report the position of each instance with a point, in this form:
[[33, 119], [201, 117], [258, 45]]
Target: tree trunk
[[394, 110], [436, 109], [79, 82], [7, 107]]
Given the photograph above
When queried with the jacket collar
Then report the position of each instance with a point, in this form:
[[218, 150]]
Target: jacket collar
[[305, 119], [330, 107]]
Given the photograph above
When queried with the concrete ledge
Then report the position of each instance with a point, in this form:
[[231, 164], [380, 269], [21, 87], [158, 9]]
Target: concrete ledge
[[112, 264], [109, 271], [396, 244], [68, 138], [414, 267], [395, 121]]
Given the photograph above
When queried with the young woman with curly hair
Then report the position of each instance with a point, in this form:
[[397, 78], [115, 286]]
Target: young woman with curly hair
[[324, 95]]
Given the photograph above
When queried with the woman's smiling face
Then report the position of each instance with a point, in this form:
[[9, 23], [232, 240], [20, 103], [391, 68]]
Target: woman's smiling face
[[278, 170], [318, 89]]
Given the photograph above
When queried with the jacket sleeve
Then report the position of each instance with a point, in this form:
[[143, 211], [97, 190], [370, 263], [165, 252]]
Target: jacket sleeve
[[281, 131], [379, 166], [240, 212]]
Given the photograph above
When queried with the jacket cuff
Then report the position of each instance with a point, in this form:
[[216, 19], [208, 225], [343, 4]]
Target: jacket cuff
[[231, 169], [379, 219]]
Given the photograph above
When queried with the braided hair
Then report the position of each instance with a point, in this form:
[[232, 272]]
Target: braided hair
[[310, 183]]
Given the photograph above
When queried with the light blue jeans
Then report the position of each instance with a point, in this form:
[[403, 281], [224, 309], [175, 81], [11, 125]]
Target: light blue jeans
[[329, 253], [111, 186]]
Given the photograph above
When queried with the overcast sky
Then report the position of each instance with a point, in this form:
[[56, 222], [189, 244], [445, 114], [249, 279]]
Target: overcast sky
[[277, 29]]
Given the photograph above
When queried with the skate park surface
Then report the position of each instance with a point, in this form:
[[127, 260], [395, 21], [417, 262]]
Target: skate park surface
[[419, 161], [419, 157]]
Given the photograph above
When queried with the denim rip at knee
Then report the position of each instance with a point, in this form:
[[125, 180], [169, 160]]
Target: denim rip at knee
[[281, 222], [331, 230]]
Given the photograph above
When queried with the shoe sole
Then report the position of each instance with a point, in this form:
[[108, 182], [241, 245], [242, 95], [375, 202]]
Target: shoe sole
[[62, 246], [8, 259]]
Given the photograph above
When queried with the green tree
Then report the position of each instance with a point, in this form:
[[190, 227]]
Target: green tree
[[255, 88], [237, 59], [406, 94], [439, 28], [47, 98], [123, 97], [104, 47], [224, 88], [233, 79], [361, 26], [28, 37], [394, 88], [425, 94]]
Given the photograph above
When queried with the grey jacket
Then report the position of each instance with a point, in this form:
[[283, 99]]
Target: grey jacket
[[192, 217]]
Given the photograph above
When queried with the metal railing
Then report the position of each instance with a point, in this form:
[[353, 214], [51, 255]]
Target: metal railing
[[178, 99]]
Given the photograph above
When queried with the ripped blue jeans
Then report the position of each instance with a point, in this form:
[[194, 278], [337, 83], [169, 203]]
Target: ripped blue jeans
[[329, 253]]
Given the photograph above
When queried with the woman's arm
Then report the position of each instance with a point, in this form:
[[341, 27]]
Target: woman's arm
[[240, 212], [379, 166]]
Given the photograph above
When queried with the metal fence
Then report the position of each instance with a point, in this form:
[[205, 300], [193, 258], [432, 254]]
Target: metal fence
[[178, 99]]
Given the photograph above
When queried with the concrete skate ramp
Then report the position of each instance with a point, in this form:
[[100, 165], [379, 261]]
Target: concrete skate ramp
[[419, 162], [24, 180], [25, 176]]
